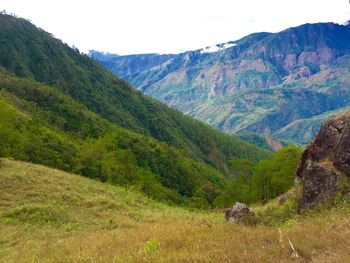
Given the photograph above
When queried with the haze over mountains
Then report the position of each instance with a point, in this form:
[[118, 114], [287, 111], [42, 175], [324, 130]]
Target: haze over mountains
[[281, 84]]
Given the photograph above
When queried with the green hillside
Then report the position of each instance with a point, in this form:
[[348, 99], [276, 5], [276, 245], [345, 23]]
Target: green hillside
[[51, 216], [60, 108], [30, 52], [41, 125]]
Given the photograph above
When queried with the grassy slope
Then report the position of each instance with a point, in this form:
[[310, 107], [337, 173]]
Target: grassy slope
[[50, 216]]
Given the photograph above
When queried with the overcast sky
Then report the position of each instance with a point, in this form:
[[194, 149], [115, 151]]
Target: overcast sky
[[169, 26]]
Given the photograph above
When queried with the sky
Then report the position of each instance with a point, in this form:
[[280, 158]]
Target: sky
[[169, 26]]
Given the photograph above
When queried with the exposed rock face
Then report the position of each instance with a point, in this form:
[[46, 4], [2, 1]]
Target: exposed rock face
[[324, 161], [238, 213]]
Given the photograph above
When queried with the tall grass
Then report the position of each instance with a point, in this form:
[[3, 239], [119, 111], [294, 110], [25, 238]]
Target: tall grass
[[50, 216]]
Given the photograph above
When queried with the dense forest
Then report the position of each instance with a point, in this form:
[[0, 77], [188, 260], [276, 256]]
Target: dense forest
[[263, 181]]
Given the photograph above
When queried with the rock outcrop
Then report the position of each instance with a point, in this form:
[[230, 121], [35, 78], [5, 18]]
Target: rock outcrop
[[325, 161], [238, 213]]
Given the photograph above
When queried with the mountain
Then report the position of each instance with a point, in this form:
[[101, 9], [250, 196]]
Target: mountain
[[60, 108], [28, 51], [261, 83]]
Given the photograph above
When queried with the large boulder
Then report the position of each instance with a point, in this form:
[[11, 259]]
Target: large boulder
[[238, 213], [325, 161]]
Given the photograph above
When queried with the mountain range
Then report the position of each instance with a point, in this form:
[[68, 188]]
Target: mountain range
[[279, 84]]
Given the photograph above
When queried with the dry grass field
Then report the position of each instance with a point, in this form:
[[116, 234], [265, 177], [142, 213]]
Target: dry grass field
[[50, 216]]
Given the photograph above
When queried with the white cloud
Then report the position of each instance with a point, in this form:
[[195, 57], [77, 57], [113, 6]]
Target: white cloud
[[140, 26]]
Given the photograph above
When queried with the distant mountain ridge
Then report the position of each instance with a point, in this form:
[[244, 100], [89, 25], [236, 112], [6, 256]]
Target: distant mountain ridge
[[263, 83]]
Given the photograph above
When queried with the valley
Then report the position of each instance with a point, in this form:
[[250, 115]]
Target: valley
[[247, 160]]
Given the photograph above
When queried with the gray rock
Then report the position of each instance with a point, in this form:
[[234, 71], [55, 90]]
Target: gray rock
[[319, 183], [323, 162], [238, 213]]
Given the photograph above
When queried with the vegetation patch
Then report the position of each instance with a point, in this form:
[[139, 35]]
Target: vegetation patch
[[276, 214], [34, 214], [152, 245]]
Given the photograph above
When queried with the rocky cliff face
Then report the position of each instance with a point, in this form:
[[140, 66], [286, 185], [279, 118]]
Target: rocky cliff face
[[325, 162]]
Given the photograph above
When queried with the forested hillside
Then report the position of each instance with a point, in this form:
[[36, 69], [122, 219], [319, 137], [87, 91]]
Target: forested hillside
[[28, 51], [41, 125]]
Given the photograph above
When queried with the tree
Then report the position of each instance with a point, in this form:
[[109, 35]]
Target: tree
[[244, 169], [276, 176]]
